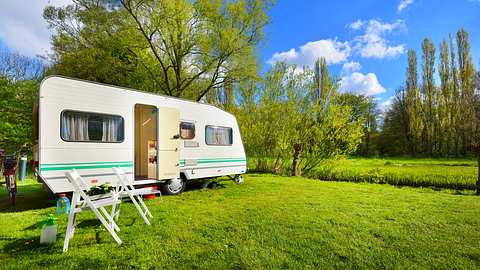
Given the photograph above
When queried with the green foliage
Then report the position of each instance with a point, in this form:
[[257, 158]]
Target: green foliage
[[101, 189], [438, 120], [178, 48], [363, 109], [413, 106], [267, 223], [290, 125], [428, 93], [17, 99]]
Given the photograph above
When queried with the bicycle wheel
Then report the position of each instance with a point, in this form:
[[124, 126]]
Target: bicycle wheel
[[11, 188], [13, 197]]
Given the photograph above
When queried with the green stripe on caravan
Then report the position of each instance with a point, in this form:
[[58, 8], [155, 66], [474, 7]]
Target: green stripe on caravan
[[85, 167], [104, 165], [208, 161], [85, 163], [218, 161]]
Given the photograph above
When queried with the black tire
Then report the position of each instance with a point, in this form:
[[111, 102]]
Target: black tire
[[212, 185], [174, 186], [12, 196]]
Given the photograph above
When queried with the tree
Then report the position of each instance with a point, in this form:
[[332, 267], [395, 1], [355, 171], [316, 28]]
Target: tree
[[19, 77], [467, 87], [393, 139], [17, 99], [413, 105], [363, 109], [445, 130], [455, 105], [476, 137], [321, 128], [17, 67], [428, 91], [178, 48], [439, 120], [287, 129], [323, 83]]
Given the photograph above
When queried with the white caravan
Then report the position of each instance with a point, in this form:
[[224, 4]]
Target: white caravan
[[93, 128]]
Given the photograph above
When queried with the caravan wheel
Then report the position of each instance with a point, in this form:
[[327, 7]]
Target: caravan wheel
[[174, 186]]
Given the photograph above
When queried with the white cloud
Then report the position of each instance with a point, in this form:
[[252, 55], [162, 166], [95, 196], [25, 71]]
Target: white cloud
[[385, 106], [404, 4], [350, 67], [359, 83], [373, 44], [22, 27], [356, 25], [334, 52]]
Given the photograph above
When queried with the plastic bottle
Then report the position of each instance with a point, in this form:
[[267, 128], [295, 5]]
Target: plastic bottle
[[49, 230], [49, 234], [63, 205]]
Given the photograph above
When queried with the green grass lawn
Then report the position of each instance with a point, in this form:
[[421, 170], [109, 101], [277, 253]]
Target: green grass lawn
[[268, 222], [439, 173]]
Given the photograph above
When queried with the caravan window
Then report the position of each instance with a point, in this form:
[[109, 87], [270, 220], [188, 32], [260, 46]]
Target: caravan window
[[91, 127], [218, 135], [187, 130]]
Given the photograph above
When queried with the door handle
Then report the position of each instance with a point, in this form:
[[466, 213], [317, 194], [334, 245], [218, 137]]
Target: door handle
[[176, 136]]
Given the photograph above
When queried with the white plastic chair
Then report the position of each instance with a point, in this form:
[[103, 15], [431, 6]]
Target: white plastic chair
[[126, 189], [81, 201]]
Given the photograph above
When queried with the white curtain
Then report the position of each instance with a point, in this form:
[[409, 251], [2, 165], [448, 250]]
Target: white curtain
[[75, 126], [110, 129], [218, 136]]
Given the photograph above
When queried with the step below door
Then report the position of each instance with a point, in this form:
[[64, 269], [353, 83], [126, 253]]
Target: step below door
[[168, 143]]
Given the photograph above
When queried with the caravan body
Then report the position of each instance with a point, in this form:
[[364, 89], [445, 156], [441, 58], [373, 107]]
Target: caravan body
[[93, 127]]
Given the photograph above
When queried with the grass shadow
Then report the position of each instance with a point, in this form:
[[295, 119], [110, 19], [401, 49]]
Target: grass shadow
[[24, 245], [29, 197], [464, 193], [206, 184], [89, 223], [93, 222]]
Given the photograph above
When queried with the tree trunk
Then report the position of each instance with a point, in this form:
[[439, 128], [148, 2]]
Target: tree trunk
[[297, 149], [367, 145]]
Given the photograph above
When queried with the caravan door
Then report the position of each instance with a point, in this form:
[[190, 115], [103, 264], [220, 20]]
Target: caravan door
[[168, 154]]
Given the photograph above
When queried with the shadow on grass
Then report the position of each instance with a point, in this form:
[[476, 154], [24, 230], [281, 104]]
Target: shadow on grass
[[31, 247], [29, 197], [206, 184], [89, 223], [24, 245]]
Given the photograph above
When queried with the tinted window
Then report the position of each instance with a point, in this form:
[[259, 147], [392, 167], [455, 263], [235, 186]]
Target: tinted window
[[91, 127], [187, 130], [218, 135]]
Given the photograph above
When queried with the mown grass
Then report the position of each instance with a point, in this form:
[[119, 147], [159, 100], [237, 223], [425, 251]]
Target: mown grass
[[269, 222], [438, 173]]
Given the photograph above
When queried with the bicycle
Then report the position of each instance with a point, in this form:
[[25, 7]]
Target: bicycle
[[10, 165]]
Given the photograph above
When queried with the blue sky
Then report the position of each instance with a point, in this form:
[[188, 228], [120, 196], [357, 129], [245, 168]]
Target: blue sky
[[371, 35], [364, 41]]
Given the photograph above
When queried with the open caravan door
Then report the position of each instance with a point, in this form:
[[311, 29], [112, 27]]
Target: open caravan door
[[168, 155]]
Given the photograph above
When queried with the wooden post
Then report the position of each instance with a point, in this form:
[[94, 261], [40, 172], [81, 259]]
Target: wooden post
[[478, 168], [476, 149]]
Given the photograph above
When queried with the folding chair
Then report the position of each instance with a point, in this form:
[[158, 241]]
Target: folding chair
[[135, 195], [97, 203]]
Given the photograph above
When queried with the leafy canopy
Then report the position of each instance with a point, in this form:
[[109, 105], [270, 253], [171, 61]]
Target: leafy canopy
[[178, 48]]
